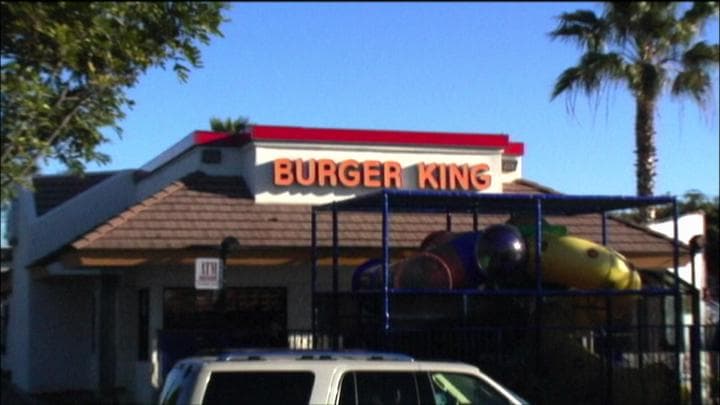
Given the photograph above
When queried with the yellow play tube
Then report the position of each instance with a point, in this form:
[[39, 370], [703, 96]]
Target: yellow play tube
[[580, 263]]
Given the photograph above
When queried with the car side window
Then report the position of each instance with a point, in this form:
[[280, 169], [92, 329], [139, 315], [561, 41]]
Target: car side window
[[348, 394], [379, 388], [259, 387], [171, 391], [179, 385], [456, 388]]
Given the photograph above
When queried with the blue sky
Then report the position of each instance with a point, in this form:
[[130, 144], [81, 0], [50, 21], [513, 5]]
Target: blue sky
[[453, 67]]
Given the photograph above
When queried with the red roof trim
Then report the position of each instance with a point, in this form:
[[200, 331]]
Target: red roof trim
[[515, 149], [300, 134], [209, 137], [360, 136]]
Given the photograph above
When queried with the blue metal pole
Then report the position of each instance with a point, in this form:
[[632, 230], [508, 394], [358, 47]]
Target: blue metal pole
[[539, 296], [604, 228], [313, 271], [448, 220], [677, 297], [538, 245], [475, 218], [335, 256], [386, 262], [336, 250], [609, 351], [695, 371]]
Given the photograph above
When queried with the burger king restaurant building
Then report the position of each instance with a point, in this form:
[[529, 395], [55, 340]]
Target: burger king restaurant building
[[110, 270]]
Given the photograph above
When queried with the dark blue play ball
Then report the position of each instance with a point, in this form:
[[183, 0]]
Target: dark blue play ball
[[368, 276], [500, 250]]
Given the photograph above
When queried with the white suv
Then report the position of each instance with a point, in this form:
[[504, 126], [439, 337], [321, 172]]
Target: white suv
[[341, 378]]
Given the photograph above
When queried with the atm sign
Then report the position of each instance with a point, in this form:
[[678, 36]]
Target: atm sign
[[208, 273]]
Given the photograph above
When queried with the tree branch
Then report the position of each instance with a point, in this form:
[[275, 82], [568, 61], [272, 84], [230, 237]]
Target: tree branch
[[53, 136]]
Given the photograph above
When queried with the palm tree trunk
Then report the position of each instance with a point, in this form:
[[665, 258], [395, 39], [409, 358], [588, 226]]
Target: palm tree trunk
[[645, 151]]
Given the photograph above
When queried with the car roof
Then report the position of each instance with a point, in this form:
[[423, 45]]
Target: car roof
[[245, 354], [312, 359]]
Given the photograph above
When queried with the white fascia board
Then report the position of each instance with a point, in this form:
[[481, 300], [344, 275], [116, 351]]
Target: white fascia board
[[80, 214]]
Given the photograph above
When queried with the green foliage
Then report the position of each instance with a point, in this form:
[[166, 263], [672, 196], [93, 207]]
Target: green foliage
[[66, 67], [647, 46], [229, 125]]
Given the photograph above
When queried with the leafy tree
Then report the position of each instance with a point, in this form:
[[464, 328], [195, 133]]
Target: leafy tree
[[66, 67], [233, 126], [648, 46]]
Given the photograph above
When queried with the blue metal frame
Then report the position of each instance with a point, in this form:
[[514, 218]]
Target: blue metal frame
[[314, 265], [335, 269], [604, 229], [386, 261], [678, 298], [386, 201], [465, 201]]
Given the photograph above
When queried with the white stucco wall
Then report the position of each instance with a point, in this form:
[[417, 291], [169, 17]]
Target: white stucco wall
[[689, 226], [17, 358], [64, 335], [234, 163], [515, 174]]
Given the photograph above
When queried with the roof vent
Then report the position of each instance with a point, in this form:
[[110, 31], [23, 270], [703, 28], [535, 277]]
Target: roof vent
[[212, 156], [509, 165]]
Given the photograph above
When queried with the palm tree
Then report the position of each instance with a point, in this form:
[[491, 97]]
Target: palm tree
[[229, 125], [648, 46]]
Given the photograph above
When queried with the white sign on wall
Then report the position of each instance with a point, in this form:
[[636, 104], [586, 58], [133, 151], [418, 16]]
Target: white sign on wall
[[208, 273]]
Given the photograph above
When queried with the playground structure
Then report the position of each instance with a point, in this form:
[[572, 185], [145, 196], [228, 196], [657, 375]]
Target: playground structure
[[493, 255], [555, 317]]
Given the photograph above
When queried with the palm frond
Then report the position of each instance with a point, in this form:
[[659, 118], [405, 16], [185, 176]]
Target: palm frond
[[701, 55], [567, 80], [694, 80], [583, 27], [588, 75], [621, 17], [695, 17], [229, 125], [694, 83], [644, 25]]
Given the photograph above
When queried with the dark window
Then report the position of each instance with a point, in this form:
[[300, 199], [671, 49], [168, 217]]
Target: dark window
[[434, 388], [348, 395], [259, 388], [5, 308], [669, 323], [143, 323], [248, 316], [93, 323], [394, 388], [385, 388], [425, 390]]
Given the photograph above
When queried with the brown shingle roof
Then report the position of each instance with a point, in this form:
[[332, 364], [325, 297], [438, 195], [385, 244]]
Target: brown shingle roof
[[201, 210], [527, 187], [51, 191]]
